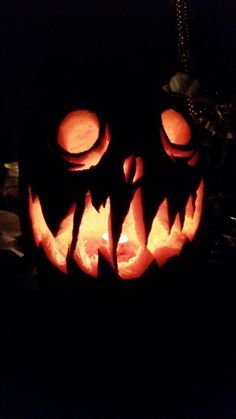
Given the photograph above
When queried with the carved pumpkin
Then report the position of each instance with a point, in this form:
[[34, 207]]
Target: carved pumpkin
[[112, 187]]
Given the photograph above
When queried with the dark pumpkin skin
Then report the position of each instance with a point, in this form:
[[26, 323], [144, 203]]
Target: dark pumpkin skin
[[134, 119]]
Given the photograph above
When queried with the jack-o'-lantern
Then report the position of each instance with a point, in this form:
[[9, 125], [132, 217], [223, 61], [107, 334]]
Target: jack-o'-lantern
[[119, 185]]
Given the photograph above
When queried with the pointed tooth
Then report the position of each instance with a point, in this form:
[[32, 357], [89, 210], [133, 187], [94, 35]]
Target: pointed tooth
[[38, 222], [88, 200], [190, 207], [90, 240], [172, 212], [52, 249], [137, 209], [159, 232], [43, 236], [176, 227], [182, 218], [198, 202], [191, 223], [66, 225], [111, 244], [163, 215]]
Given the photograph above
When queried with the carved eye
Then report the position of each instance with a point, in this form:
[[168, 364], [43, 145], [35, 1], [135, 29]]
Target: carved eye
[[176, 137], [82, 141], [79, 131], [176, 127]]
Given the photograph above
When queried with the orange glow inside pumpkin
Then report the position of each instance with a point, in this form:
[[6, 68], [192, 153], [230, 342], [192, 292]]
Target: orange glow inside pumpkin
[[176, 127], [134, 251], [78, 134], [132, 256], [78, 131]]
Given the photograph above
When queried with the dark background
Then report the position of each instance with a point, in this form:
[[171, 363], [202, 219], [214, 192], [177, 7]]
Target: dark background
[[47, 42], [140, 353]]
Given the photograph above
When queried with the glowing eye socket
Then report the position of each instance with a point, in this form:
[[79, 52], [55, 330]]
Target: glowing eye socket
[[79, 131], [176, 127]]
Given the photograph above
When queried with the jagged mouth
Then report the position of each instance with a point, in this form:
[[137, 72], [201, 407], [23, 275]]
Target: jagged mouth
[[133, 252]]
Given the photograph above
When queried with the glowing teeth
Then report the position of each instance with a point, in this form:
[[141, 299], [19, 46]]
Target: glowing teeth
[[56, 248], [133, 255]]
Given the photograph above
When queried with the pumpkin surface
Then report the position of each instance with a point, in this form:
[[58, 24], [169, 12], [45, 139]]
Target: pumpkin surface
[[114, 184]]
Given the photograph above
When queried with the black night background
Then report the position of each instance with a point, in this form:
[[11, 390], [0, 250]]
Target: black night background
[[46, 42], [122, 353]]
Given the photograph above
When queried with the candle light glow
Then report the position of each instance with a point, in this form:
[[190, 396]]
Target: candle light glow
[[123, 238]]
